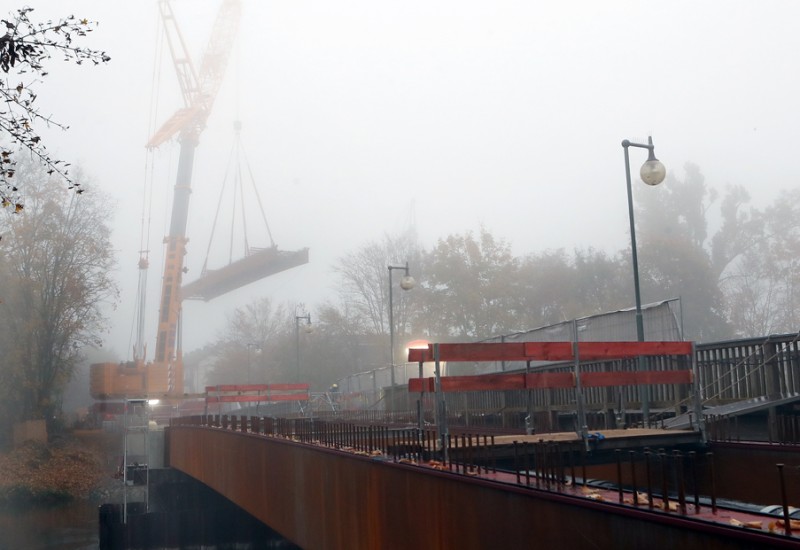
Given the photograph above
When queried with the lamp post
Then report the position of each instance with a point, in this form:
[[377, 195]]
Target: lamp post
[[250, 347], [406, 283], [308, 328], [652, 172]]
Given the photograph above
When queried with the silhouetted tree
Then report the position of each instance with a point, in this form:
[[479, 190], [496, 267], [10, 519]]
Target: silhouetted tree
[[25, 51]]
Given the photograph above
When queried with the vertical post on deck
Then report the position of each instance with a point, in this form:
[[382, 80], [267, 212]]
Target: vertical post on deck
[[583, 429], [441, 410]]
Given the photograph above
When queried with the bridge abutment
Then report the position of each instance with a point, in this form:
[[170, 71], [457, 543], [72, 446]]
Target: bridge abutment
[[181, 513]]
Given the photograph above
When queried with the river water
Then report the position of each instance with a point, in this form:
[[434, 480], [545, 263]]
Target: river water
[[70, 526]]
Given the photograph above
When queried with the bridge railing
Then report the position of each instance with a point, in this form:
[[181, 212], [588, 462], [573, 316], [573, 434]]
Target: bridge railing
[[746, 369]]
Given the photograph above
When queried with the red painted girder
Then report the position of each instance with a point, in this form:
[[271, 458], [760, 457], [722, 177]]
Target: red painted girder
[[289, 397], [495, 382], [628, 378], [420, 355], [546, 351], [508, 351], [256, 387], [500, 382], [255, 398], [620, 350], [288, 387], [418, 385], [550, 380], [486, 382]]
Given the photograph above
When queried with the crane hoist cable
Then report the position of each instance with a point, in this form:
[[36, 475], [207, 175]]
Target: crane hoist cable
[[136, 342], [240, 193]]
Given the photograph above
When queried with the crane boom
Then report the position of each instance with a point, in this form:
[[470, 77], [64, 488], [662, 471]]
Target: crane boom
[[184, 68], [199, 90]]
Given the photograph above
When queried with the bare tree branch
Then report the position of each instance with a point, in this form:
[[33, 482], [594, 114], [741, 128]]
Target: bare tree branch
[[25, 50]]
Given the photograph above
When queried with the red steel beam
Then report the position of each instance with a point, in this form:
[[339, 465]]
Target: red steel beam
[[255, 398], [487, 382], [636, 378], [256, 387], [417, 385], [621, 350], [252, 393], [550, 380], [546, 351], [500, 382], [420, 355], [508, 351]]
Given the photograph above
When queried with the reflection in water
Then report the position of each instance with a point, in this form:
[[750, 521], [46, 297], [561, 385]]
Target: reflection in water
[[72, 526]]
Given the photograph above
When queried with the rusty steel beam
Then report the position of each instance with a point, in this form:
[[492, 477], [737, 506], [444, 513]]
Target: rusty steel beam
[[324, 498]]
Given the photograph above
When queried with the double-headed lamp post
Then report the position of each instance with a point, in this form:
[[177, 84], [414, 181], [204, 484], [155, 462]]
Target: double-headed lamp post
[[652, 173], [406, 283], [308, 328]]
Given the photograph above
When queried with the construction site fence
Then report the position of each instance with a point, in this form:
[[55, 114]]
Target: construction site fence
[[726, 372]]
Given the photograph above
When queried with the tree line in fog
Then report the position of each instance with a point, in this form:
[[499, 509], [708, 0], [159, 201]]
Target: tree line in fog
[[731, 264]]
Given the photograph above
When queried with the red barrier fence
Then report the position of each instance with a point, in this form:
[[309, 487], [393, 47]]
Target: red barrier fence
[[549, 351], [253, 393]]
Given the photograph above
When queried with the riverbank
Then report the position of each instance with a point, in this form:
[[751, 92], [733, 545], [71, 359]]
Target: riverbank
[[73, 467]]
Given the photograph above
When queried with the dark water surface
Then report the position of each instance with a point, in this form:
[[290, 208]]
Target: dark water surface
[[69, 526]]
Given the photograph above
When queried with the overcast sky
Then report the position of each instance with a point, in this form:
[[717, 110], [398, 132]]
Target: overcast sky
[[361, 117]]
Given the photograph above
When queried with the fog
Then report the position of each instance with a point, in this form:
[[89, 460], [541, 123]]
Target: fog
[[362, 118]]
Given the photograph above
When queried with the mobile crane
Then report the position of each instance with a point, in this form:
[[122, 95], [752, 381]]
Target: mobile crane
[[163, 377]]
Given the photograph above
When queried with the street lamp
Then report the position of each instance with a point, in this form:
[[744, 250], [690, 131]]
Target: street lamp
[[308, 328], [652, 173], [250, 348], [406, 283]]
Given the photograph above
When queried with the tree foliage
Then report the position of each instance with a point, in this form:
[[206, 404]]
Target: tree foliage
[[26, 49], [556, 286], [470, 287], [55, 263], [266, 343]]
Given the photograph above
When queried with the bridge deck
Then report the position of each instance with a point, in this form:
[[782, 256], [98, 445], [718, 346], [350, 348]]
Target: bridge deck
[[638, 437], [739, 408], [322, 496]]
